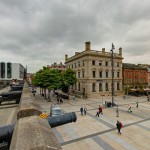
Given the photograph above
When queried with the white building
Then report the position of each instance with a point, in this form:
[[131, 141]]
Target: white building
[[10, 71]]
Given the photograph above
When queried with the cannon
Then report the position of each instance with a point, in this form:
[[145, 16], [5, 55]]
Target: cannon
[[62, 119], [17, 87], [10, 96], [6, 132], [6, 135]]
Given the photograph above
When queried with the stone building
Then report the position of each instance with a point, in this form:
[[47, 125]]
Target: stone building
[[59, 66], [94, 72]]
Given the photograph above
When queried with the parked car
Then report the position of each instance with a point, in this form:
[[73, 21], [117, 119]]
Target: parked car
[[56, 110]]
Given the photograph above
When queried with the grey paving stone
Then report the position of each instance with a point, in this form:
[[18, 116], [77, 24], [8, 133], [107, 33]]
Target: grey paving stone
[[71, 132], [102, 143], [100, 120], [58, 136], [125, 144]]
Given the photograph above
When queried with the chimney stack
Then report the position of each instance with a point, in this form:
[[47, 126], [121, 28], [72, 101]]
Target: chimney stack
[[120, 51], [66, 57], [87, 46], [103, 50]]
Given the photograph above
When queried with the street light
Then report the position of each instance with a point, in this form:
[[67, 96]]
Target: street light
[[112, 73]]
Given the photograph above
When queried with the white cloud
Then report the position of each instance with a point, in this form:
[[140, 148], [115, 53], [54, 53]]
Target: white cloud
[[38, 33]]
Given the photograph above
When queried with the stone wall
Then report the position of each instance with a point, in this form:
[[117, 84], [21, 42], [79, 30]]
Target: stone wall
[[32, 132]]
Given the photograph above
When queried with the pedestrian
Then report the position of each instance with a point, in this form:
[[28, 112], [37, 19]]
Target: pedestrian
[[105, 104], [137, 104], [97, 113], [81, 110], [85, 110], [100, 110], [117, 111], [129, 110], [119, 126], [148, 98]]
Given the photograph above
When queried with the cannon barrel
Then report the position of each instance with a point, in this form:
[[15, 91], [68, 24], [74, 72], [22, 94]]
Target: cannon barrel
[[62, 119], [10, 96], [6, 133], [18, 87]]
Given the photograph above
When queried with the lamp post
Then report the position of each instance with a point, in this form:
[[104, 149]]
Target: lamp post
[[112, 72]]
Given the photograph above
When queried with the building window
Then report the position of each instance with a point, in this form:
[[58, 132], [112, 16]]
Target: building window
[[118, 74], [100, 74], [106, 74], [117, 64], [118, 86], [9, 70], [75, 65], [106, 86], [106, 63], [83, 62], [79, 64], [2, 70], [100, 63], [75, 86], [94, 74], [72, 65], [100, 87], [78, 86], [78, 74], [83, 74], [93, 62], [93, 87]]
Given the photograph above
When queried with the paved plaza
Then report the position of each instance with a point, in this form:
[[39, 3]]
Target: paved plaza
[[99, 133]]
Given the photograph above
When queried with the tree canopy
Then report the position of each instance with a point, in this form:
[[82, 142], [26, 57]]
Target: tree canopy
[[54, 78]]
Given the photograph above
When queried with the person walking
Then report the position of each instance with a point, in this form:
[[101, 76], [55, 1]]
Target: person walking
[[129, 110], [119, 126], [81, 110], [100, 110], [148, 98], [97, 113], [117, 111], [105, 104], [137, 104], [85, 110]]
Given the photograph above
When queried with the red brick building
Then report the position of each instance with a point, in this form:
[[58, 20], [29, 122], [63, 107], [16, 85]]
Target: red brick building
[[134, 76]]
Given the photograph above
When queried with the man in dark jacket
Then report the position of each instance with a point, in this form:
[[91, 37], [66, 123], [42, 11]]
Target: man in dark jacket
[[119, 126]]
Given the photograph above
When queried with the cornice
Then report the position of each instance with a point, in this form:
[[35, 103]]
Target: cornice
[[92, 53]]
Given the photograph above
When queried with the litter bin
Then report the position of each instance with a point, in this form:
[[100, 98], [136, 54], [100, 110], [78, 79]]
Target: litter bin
[[108, 104]]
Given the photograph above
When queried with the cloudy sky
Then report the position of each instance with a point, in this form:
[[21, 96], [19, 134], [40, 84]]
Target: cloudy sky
[[38, 33]]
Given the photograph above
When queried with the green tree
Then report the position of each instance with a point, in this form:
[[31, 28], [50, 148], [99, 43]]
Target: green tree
[[47, 79], [68, 79]]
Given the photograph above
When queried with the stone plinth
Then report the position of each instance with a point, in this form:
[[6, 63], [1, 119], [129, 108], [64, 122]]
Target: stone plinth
[[33, 133]]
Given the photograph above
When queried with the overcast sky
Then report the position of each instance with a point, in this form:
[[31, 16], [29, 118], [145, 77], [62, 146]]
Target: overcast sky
[[38, 33]]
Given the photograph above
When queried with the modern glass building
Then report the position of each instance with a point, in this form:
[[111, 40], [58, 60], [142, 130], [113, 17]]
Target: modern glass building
[[10, 71]]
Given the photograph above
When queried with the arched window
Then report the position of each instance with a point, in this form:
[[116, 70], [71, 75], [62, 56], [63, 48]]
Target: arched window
[[106, 86], [93, 87], [118, 86], [100, 87], [78, 86]]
